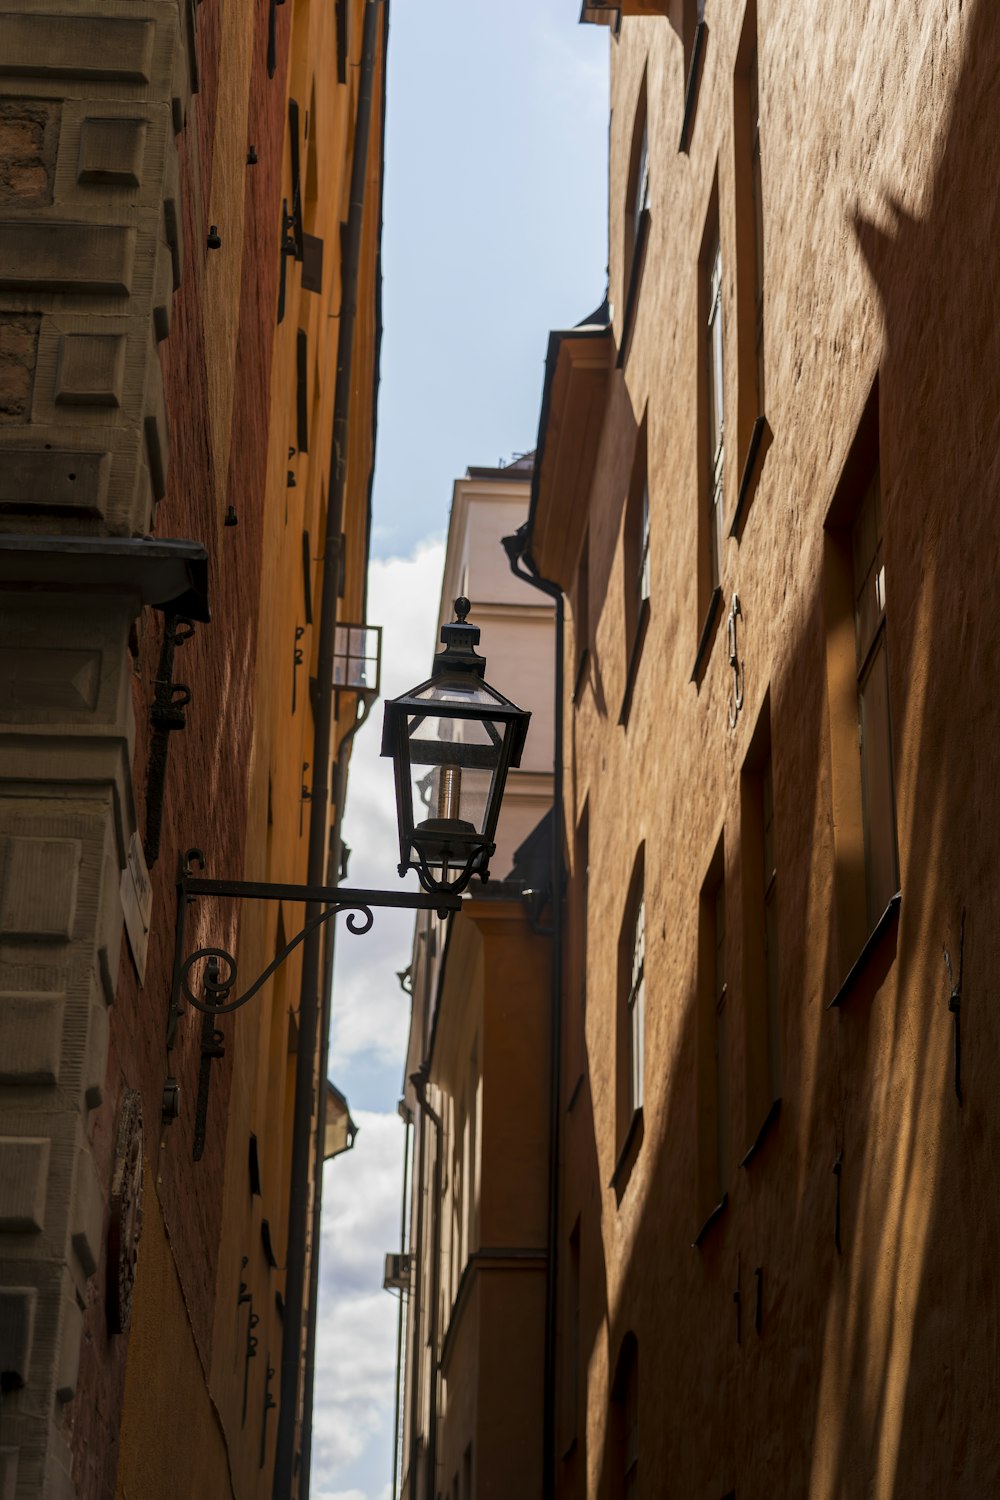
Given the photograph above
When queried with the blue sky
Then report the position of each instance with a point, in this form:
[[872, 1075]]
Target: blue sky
[[495, 232]]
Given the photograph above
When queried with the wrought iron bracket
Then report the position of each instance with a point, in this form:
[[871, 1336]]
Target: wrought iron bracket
[[216, 966]]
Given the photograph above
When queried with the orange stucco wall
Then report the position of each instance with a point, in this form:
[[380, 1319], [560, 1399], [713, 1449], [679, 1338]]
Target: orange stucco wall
[[880, 221]]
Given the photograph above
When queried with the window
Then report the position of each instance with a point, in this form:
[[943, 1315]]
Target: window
[[625, 1422], [758, 231], [640, 197], [571, 1367], [638, 181], [877, 794], [637, 576], [711, 420], [715, 398], [761, 996], [693, 34], [719, 1001], [636, 225], [857, 678], [769, 876], [635, 1007], [713, 1044], [581, 892], [752, 433], [472, 1169], [581, 614], [631, 1017]]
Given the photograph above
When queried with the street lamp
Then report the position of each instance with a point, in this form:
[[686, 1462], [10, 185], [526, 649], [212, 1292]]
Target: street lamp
[[469, 735]]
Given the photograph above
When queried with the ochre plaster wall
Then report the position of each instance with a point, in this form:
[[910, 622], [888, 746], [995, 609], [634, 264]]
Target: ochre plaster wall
[[880, 216]]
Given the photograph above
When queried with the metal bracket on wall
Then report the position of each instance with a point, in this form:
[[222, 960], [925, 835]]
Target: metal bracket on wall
[[217, 967], [166, 715], [736, 693]]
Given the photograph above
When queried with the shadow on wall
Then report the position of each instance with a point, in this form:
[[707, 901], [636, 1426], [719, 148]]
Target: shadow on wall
[[868, 1372]]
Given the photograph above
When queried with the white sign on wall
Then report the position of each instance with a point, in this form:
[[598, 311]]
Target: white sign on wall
[[137, 903]]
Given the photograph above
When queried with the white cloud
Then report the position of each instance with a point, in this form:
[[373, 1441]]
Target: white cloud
[[371, 1014], [356, 1332]]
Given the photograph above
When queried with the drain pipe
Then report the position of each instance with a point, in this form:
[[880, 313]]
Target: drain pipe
[[326, 1015], [516, 548], [302, 1125], [407, 1118], [419, 1081]]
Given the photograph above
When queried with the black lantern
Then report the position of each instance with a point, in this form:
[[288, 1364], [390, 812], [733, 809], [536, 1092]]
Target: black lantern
[[460, 737]]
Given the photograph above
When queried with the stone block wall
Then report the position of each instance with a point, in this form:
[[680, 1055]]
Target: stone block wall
[[91, 252]]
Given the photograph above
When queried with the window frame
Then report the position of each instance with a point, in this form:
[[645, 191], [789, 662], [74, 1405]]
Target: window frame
[[630, 1040], [859, 925]]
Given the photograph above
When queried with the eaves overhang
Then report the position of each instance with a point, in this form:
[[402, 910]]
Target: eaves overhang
[[578, 369], [170, 574]]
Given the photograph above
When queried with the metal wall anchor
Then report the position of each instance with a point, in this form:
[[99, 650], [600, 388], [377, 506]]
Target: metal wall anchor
[[955, 1005], [213, 1048], [736, 692], [269, 1405], [737, 1300], [166, 715], [250, 1353], [298, 657]]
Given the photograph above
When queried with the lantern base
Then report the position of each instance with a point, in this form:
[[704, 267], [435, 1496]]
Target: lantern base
[[444, 840]]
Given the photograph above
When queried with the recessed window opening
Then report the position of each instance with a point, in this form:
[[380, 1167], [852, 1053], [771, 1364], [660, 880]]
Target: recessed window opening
[[625, 1422], [758, 230], [631, 1005], [877, 794], [716, 409], [636, 1007], [637, 198]]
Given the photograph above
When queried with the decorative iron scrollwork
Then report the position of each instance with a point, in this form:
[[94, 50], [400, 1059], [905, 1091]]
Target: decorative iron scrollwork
[[218, 982], [206, 978]]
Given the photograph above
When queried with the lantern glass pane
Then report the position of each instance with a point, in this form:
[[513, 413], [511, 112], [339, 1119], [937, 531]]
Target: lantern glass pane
[[462, 757]]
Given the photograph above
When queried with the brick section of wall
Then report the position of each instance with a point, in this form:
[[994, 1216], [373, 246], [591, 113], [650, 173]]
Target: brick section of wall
[[29, 140], [206, 783], [18, 353]]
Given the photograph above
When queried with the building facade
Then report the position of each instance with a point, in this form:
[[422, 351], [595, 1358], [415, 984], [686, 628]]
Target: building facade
[[189, 211], [473, 1269], [764, 482]]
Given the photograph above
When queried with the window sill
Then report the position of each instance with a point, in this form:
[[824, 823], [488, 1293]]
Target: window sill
[[693, 80], [634, 283], [710, 1222], [761, 439], [764, 1131], [581, 672], [635, 656], [705, 640], [628, 1154], [886, 923]]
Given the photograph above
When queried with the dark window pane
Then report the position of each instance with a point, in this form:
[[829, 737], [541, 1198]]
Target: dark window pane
[[881, 869]]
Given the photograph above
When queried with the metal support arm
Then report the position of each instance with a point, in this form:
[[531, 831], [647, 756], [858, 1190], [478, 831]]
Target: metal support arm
[[219, 978]]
